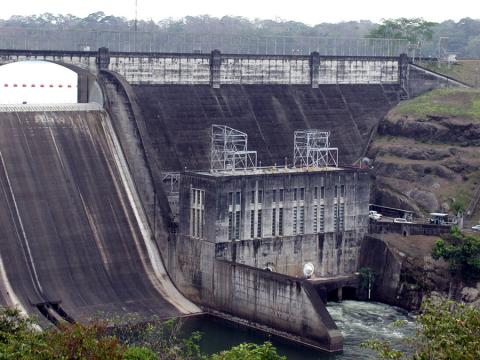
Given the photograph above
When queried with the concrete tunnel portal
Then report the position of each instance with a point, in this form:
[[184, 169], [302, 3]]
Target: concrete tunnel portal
[[37, 82]]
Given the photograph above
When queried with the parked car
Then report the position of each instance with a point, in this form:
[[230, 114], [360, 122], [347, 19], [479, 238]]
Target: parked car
[[476, 228], [374, 215], [401, 221]]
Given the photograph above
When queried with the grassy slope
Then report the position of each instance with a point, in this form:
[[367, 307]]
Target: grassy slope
[[467, 71], [444, 102]]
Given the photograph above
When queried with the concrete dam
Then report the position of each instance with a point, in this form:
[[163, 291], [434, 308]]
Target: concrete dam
[[89, 224], [72, 238]]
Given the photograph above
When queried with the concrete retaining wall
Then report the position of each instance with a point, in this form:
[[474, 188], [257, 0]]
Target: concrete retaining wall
[[277, 301], [164, 69], [290, 305], [421, 80], [408, 229], [217, 69]]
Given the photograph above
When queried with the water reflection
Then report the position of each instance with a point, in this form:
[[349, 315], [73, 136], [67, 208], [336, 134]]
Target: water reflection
[[359, 321]]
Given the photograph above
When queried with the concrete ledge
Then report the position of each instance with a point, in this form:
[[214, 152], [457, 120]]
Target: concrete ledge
[[50, 107]]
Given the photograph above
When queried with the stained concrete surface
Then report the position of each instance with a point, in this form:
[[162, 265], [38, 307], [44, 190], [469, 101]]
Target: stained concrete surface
[[68, 231], [178, 118]]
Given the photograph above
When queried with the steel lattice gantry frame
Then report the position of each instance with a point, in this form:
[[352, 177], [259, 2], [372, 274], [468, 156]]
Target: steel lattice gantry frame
[[229, 150], [312, 149]]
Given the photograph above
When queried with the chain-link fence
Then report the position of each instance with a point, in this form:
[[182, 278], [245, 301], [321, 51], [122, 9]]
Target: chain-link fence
[[24, 39]]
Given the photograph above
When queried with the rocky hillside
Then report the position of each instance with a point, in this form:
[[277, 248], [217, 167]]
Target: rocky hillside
[[405, 272], [426, 156]]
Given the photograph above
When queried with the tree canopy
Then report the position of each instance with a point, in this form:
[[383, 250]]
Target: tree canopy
[[412, 29], [462, 35], [462, 252], [446, 330]]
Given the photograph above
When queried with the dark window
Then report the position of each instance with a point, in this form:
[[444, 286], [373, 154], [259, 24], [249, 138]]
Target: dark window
[[322, 192], [274, 220], [322, 218], [252, 224], [259, 223], [302, 220], [342, 191], [253, 197], [230, 198], [295, 194], [237, 198], [294, 220], [302, 193], [237, 225], [315, 193], [280, 222], [281, 195], [230, 225], [260, 196], [274, 195]]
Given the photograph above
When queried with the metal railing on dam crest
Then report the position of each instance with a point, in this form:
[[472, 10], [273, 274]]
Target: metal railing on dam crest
[[169, 42]]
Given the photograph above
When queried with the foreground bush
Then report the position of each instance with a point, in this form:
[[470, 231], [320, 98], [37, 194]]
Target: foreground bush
[[446, 330], [21, 338]]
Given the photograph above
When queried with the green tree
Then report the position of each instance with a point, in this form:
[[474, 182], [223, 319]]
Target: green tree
[[139, 353], [412, 29], [18, 337], [247, 351], [462, 252], [446, 330]]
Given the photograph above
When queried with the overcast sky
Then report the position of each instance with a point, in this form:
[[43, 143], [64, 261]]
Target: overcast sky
[[307, 11]]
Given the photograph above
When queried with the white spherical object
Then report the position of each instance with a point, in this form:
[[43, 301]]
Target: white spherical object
[[308, 269]]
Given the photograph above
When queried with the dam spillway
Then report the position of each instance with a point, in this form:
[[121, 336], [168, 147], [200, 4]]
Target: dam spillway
[[71, 231]]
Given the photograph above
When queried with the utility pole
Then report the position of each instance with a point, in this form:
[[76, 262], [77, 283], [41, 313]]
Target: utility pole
[[440, 49], [136, 15]]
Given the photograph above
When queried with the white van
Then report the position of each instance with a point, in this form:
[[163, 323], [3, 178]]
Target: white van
[[401, 221]]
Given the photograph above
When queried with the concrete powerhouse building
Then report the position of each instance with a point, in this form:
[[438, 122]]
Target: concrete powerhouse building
[[279, 218]]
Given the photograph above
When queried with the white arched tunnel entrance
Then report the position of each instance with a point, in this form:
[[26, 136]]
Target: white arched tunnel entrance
[[37, 82]]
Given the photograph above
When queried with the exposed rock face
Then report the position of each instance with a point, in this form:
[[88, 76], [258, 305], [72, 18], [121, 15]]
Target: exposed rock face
[[424, 199], [405, 272], [426, 162], [444, 129]]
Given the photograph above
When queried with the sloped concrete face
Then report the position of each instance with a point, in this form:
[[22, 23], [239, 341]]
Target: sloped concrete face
[[178, 118], [69, 229]]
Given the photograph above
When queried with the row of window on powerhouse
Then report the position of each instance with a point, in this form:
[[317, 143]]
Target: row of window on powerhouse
[[277, 229], [278, 195]]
